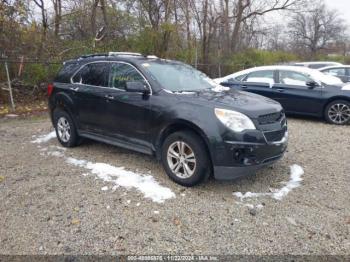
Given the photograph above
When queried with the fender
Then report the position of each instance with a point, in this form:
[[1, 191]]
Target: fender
[[64, 101], [173, 126]]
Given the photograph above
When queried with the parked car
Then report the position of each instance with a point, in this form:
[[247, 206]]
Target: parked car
[[166, 109], [317, 65], [342, 72], [300, 90]]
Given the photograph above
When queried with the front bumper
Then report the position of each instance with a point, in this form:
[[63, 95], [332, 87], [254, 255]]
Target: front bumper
[[242, 159]]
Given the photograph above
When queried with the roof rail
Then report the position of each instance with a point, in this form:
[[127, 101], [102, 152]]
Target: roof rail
[[117, 54], [123, 53], [92, 55]]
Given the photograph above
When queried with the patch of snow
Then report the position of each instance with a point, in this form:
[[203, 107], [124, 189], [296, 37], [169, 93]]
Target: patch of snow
[[296, 173], [156, 212], [59, 148], [45, 138], [138, 204], [55, 153], [146, 184], [260, 206], [76, 162], [346, 87], [129, 201], [219, 88], [292, 221]]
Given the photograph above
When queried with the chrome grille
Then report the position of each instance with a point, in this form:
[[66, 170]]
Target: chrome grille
[[271, 118]]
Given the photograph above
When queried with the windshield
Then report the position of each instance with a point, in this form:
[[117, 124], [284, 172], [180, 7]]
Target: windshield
[[178, 77]]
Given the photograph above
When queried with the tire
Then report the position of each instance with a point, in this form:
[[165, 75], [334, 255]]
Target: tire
[[64, 124], [338, 112], [190, 170]]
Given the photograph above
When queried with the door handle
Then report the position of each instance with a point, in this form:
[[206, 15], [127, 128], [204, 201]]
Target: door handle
[[244, 86], [75, 89], [109, 97], [280, 90]]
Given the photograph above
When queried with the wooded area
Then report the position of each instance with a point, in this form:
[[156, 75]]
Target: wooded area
[[218, 37]]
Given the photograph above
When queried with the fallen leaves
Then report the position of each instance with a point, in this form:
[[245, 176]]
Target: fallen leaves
[[75, 222], [2, 178]]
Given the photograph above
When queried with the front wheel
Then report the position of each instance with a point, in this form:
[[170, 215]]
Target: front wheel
[[338, 112], [185, 158]]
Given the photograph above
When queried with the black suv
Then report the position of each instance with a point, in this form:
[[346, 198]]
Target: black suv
[[167, 109]]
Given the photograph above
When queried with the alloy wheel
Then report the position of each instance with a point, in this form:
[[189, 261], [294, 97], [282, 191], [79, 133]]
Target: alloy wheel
[[181, 159], [339, 113], [63, 129]]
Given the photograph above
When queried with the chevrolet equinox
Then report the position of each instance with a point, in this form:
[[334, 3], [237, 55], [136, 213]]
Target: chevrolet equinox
[[167, 109]]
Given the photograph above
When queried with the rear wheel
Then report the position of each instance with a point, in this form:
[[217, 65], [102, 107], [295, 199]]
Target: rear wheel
[[338, 112], [65, 128], [185, 158]]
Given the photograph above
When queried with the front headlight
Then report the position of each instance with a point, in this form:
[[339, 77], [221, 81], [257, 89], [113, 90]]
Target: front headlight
[[234, 120]]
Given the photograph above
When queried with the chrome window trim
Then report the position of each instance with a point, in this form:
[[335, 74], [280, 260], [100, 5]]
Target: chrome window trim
[[110, 88]]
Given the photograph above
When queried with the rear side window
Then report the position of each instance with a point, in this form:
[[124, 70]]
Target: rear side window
[[66, 72], [95, 74], [122, 73], [265, 76]]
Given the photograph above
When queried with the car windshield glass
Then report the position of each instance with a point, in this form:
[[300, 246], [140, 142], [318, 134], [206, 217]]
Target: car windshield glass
[[178, 77]]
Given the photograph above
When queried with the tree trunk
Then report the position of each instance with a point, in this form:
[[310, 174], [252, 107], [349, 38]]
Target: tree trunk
[[205, 56], [238, 21]]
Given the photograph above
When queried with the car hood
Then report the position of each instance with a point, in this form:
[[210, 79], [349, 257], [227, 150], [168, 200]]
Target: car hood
[[249, 104]]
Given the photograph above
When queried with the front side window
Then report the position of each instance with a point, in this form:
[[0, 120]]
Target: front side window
[[293, 78], [264, 76], [122, 73], [178, 77], [95, 74]]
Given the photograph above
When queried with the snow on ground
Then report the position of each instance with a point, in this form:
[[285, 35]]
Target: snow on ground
[[296, 173], [144, 183], [45, 138]]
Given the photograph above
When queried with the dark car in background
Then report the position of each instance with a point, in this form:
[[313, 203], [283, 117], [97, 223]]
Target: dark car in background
[[302, 91], [167, 109]]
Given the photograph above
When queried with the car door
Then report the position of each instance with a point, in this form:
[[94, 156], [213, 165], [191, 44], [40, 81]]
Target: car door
[[90, 83], [259, 82], [295, 95], [128, 113]]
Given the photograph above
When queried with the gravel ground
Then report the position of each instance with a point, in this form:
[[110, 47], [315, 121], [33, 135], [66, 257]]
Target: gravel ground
[[48, 206]]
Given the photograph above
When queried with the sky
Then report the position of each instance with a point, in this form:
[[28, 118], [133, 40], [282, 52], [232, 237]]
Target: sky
[[343, 7]]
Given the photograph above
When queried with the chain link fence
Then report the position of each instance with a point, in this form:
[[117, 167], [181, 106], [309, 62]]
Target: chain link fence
[[24, 80]]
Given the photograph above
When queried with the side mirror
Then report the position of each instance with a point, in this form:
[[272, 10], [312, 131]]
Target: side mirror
[[312, 84], [137, 87]]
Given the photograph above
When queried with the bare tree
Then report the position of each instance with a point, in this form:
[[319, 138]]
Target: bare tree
[[247, 9], [57, 6], [44, 24], [315, 29]]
